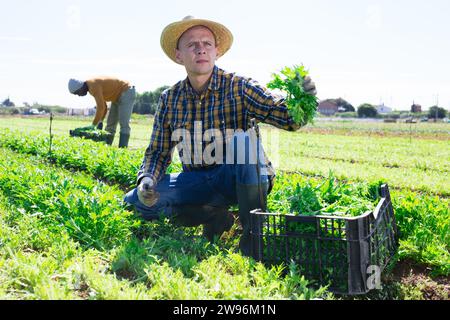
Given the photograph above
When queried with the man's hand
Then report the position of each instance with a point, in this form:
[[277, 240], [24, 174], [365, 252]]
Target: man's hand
[[309, 86], [100, 126], [146, 192]]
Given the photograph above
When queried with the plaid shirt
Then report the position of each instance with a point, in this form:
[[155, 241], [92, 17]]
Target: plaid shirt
[[229, 102]]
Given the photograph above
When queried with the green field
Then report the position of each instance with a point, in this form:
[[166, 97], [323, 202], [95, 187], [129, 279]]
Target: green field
[[421, 130], [65, 234], [417, 164]]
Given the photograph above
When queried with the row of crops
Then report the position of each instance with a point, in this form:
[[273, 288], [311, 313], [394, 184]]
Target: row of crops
[[64, 227], [421, 166], [394, 153], [423, 219], [67, 235], [379, 127], [425, 171]]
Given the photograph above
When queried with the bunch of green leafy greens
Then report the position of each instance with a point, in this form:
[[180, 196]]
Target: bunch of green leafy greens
[[302, 106], [90, 132], [332, 197]]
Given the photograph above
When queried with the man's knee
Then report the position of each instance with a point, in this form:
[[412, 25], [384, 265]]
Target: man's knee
[[148, 213]]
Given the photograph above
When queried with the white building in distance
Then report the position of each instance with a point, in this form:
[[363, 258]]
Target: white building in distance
[[382, 109]]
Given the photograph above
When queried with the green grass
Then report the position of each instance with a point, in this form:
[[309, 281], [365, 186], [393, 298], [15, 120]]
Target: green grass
[[416, 130], [426, 222], [73, 203], [103, 264], [140, 127], [65, 235], [422, 167], [119, 166]]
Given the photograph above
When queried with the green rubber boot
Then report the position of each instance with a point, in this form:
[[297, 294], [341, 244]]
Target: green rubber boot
[[123, 140], [215, 220], [216, 226], [109, 139], [248, 200]]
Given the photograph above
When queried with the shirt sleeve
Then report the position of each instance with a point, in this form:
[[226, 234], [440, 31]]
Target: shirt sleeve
[[97, 92], [267, 107], [158, 154]]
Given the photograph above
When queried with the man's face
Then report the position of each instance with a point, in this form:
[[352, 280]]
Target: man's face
[[197, 51], [82, 91]]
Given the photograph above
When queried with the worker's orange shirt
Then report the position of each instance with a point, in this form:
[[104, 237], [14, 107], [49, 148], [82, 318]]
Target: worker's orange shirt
[[105, 89]]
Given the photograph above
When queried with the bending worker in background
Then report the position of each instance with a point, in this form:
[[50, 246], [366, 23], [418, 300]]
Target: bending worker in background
[[106, 89], [209, 103]]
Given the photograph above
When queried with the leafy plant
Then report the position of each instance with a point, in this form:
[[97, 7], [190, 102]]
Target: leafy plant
[[90, 132], [305, 200], [89, 211], [421, 217], [113, 165], [333, 197], [302, 106], [76, 241]]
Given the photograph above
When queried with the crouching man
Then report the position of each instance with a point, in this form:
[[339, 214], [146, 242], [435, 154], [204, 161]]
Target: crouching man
[[206, 117]]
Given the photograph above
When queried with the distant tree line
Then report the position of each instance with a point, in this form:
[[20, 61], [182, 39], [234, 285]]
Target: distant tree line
[[10, 108], [7, 103], [147, 102], [367, 110], [436, 112]]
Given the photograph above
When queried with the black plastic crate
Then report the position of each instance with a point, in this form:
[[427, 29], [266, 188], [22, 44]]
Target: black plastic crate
[[341, 252]]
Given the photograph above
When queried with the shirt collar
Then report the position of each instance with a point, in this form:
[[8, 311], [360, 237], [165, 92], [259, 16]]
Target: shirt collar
[[214, 82]]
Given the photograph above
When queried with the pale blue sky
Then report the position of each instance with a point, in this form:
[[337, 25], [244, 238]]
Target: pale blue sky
[[391, 51]]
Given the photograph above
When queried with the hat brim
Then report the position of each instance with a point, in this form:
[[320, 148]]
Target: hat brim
[[172, 33]]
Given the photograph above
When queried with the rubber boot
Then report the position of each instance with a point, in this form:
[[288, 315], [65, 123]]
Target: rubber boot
[[109, 139], [248, 200], [220, 223], [215, 220], [123, 140]]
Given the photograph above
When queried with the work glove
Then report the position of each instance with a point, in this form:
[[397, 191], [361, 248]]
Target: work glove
[[100, 126], [309, 86], [146, 192]]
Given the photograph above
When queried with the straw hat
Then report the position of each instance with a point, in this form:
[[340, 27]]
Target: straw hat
[[172, 33]]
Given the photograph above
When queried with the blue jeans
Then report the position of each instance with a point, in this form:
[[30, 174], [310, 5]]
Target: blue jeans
[[214, 187]]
